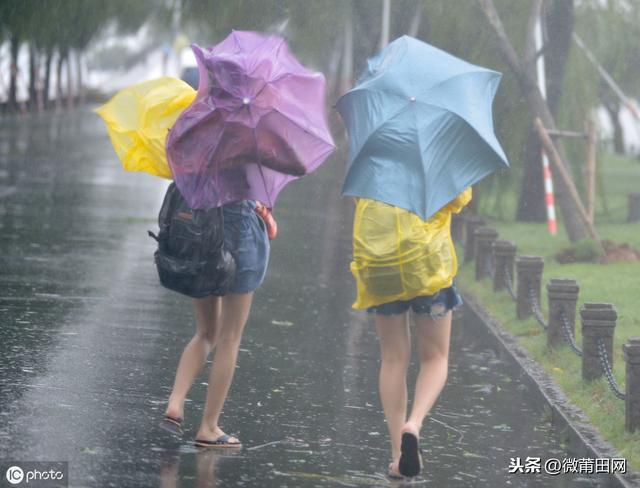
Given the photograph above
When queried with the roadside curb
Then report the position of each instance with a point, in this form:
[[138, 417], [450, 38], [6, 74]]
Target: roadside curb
[[567, 420]]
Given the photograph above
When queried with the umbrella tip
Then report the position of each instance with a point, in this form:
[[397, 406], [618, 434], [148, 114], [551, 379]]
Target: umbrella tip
[[246, 101], [412, 99]]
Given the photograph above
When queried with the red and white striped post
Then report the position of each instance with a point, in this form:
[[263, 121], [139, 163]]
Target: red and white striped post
[[548, 195], [546, 168]]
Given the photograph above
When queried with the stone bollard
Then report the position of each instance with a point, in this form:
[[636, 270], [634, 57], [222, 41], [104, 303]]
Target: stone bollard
[[563, 297], [457, 226], [504, 254], [471, 222], [598, 322], [483, 238], [529, 269], [632, 395], [634, 207]]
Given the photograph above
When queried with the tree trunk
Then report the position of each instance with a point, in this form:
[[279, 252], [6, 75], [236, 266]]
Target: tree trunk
[[333, 68], [47, 77], [70, 101], [613, 109], [575, 227], [531, 202], [33, 95], [81, 94], [13, 72], [559, 23], [59, 95], [367, 28]]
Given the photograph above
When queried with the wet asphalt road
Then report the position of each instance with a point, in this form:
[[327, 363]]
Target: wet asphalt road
[[89, 342]]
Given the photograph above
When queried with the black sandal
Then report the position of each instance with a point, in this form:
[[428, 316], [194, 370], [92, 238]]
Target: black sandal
[[221, 442], [172, 425], [409, 464]]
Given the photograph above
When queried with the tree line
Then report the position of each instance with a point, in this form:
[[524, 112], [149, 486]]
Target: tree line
[[57, 33], [337, 36]]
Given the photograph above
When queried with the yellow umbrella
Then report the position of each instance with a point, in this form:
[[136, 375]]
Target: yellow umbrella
[[138, 119]]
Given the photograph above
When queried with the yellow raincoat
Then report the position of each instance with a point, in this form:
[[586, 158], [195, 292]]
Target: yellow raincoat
[[138, 120], [399, 256]]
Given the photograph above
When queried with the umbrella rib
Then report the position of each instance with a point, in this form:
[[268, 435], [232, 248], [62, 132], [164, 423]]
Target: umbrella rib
[[259, 163], [275, 110], [373, 132], [424, 179]]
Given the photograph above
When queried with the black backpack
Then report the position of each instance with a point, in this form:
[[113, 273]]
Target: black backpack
[[191, 258]]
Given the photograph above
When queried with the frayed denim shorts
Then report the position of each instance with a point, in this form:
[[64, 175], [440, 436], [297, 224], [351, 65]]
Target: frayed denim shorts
[[245, 237], [437, 305]]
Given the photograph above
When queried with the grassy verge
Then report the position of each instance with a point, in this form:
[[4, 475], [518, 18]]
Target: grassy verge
[[617, 283]]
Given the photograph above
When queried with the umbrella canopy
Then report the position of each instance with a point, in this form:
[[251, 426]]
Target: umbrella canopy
[[420, 127], [138, 119], [257, 123]]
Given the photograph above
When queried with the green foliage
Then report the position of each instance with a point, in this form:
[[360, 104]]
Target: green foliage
[[611, 29]]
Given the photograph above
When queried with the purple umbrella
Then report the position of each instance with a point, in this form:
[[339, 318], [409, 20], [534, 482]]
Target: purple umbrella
[[258, 122]]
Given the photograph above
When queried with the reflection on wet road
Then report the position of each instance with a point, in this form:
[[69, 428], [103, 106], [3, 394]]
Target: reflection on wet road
[[89, 342]]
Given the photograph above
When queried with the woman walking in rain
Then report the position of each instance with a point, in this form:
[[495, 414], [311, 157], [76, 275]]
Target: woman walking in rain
[[257, 123], [392, 248], [420, 135], [220, 322]]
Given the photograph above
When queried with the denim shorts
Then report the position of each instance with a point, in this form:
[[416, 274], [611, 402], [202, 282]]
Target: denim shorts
[[437, 305], [245, 237]]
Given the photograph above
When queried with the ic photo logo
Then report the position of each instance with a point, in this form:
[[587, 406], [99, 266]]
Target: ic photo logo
[[41, 474], [15, 475]]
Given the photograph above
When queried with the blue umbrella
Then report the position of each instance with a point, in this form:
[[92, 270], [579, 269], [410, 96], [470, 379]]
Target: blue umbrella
[[420, 127]]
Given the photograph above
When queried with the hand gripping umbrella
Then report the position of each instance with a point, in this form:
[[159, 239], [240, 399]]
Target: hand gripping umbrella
[[420, 127], [258, 122]]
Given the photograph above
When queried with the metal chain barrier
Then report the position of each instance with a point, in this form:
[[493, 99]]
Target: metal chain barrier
[[566, 331], [535, 307], [606, 366], [508, 284]]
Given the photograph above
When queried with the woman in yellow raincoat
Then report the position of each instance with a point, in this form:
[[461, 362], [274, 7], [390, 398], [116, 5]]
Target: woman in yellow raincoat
[[402, 262]]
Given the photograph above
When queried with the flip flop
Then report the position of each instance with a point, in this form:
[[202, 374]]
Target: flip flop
[[409, 464], [394, 475], [172, 425], [221, 442]]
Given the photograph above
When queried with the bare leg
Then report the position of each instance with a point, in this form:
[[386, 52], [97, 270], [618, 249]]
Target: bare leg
[[235, 311], [433, 353], [196, 352], [395, 352]]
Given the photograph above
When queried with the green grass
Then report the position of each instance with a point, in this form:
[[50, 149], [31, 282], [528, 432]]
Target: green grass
[[616, 283]]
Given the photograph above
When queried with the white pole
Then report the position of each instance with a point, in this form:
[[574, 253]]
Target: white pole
[[415, 22], [386, 13], [347, 55]]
